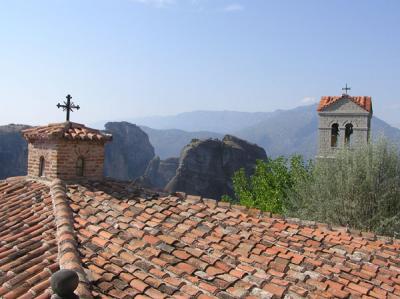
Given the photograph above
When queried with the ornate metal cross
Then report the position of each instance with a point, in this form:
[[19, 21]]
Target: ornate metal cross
[[346, 89], [68, 106]]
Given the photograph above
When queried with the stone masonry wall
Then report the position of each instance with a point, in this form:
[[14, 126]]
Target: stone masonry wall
[[61, 159], [70, 151], [48, 152]]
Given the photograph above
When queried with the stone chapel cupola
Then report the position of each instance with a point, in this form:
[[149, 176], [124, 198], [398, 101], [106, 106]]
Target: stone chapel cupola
[[344, 121], [68, 151]]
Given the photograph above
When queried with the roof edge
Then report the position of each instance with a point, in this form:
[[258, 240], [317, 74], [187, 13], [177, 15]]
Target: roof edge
[[68, 255], [257, 213]]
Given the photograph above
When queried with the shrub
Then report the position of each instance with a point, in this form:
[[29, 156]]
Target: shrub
[[358, 188]]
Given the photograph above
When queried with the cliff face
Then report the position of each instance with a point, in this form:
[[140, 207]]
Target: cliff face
[[129, 153], [13, 151], [206, 167], [239, 153], [159, 172]]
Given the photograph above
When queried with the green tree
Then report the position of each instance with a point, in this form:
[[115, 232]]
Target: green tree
[[267, 189]]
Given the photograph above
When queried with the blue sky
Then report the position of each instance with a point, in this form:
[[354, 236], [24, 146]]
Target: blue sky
[[121, 59]]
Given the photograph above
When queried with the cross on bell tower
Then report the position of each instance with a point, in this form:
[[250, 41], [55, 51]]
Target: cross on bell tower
[[346, 89], [68, 106]]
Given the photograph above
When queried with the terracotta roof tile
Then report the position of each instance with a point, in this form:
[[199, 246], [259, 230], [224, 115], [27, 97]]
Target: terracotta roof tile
[[204, 249], [28, 251], [362, 101], [198, 249], [66, 130]]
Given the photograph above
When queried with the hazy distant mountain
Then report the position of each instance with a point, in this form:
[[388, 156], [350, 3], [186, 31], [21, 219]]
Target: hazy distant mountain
[[169, 143], [283, 132], [380, 127], [212, 121]]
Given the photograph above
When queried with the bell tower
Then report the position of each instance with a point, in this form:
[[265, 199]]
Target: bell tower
[[344, 121]]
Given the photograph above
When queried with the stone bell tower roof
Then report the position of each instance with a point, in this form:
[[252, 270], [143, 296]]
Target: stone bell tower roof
[[66, 130]]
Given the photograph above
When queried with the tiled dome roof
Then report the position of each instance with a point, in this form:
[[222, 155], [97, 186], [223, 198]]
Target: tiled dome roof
[[67, 130]]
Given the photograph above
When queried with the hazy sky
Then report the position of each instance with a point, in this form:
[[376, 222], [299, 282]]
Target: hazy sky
[[127, 58]]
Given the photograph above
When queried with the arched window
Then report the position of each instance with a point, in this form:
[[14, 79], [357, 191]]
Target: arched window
[[80, 166], [334, 135], [41, 166], [347, 133]]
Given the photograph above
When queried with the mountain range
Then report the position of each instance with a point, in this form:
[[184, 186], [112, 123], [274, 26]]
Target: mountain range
[[208, 121], [282, 132]]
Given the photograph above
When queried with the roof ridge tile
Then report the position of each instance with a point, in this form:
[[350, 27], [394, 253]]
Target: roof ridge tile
[[68, 254]]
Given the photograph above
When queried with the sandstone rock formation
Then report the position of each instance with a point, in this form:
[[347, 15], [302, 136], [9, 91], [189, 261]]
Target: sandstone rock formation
[[206, 167], [129, 153], [159, 172]]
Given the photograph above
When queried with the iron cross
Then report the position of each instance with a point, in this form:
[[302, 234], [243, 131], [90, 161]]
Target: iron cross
[[68, 106], [346, 89]]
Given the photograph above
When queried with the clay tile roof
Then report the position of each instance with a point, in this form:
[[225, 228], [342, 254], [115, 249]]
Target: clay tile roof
[[187, 247], [362, 101], [28, 246], [134, 245], [67, 130]]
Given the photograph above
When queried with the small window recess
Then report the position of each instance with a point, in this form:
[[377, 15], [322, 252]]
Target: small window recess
[[80, 166], [42, 164], [334, 135], [347, 135]]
